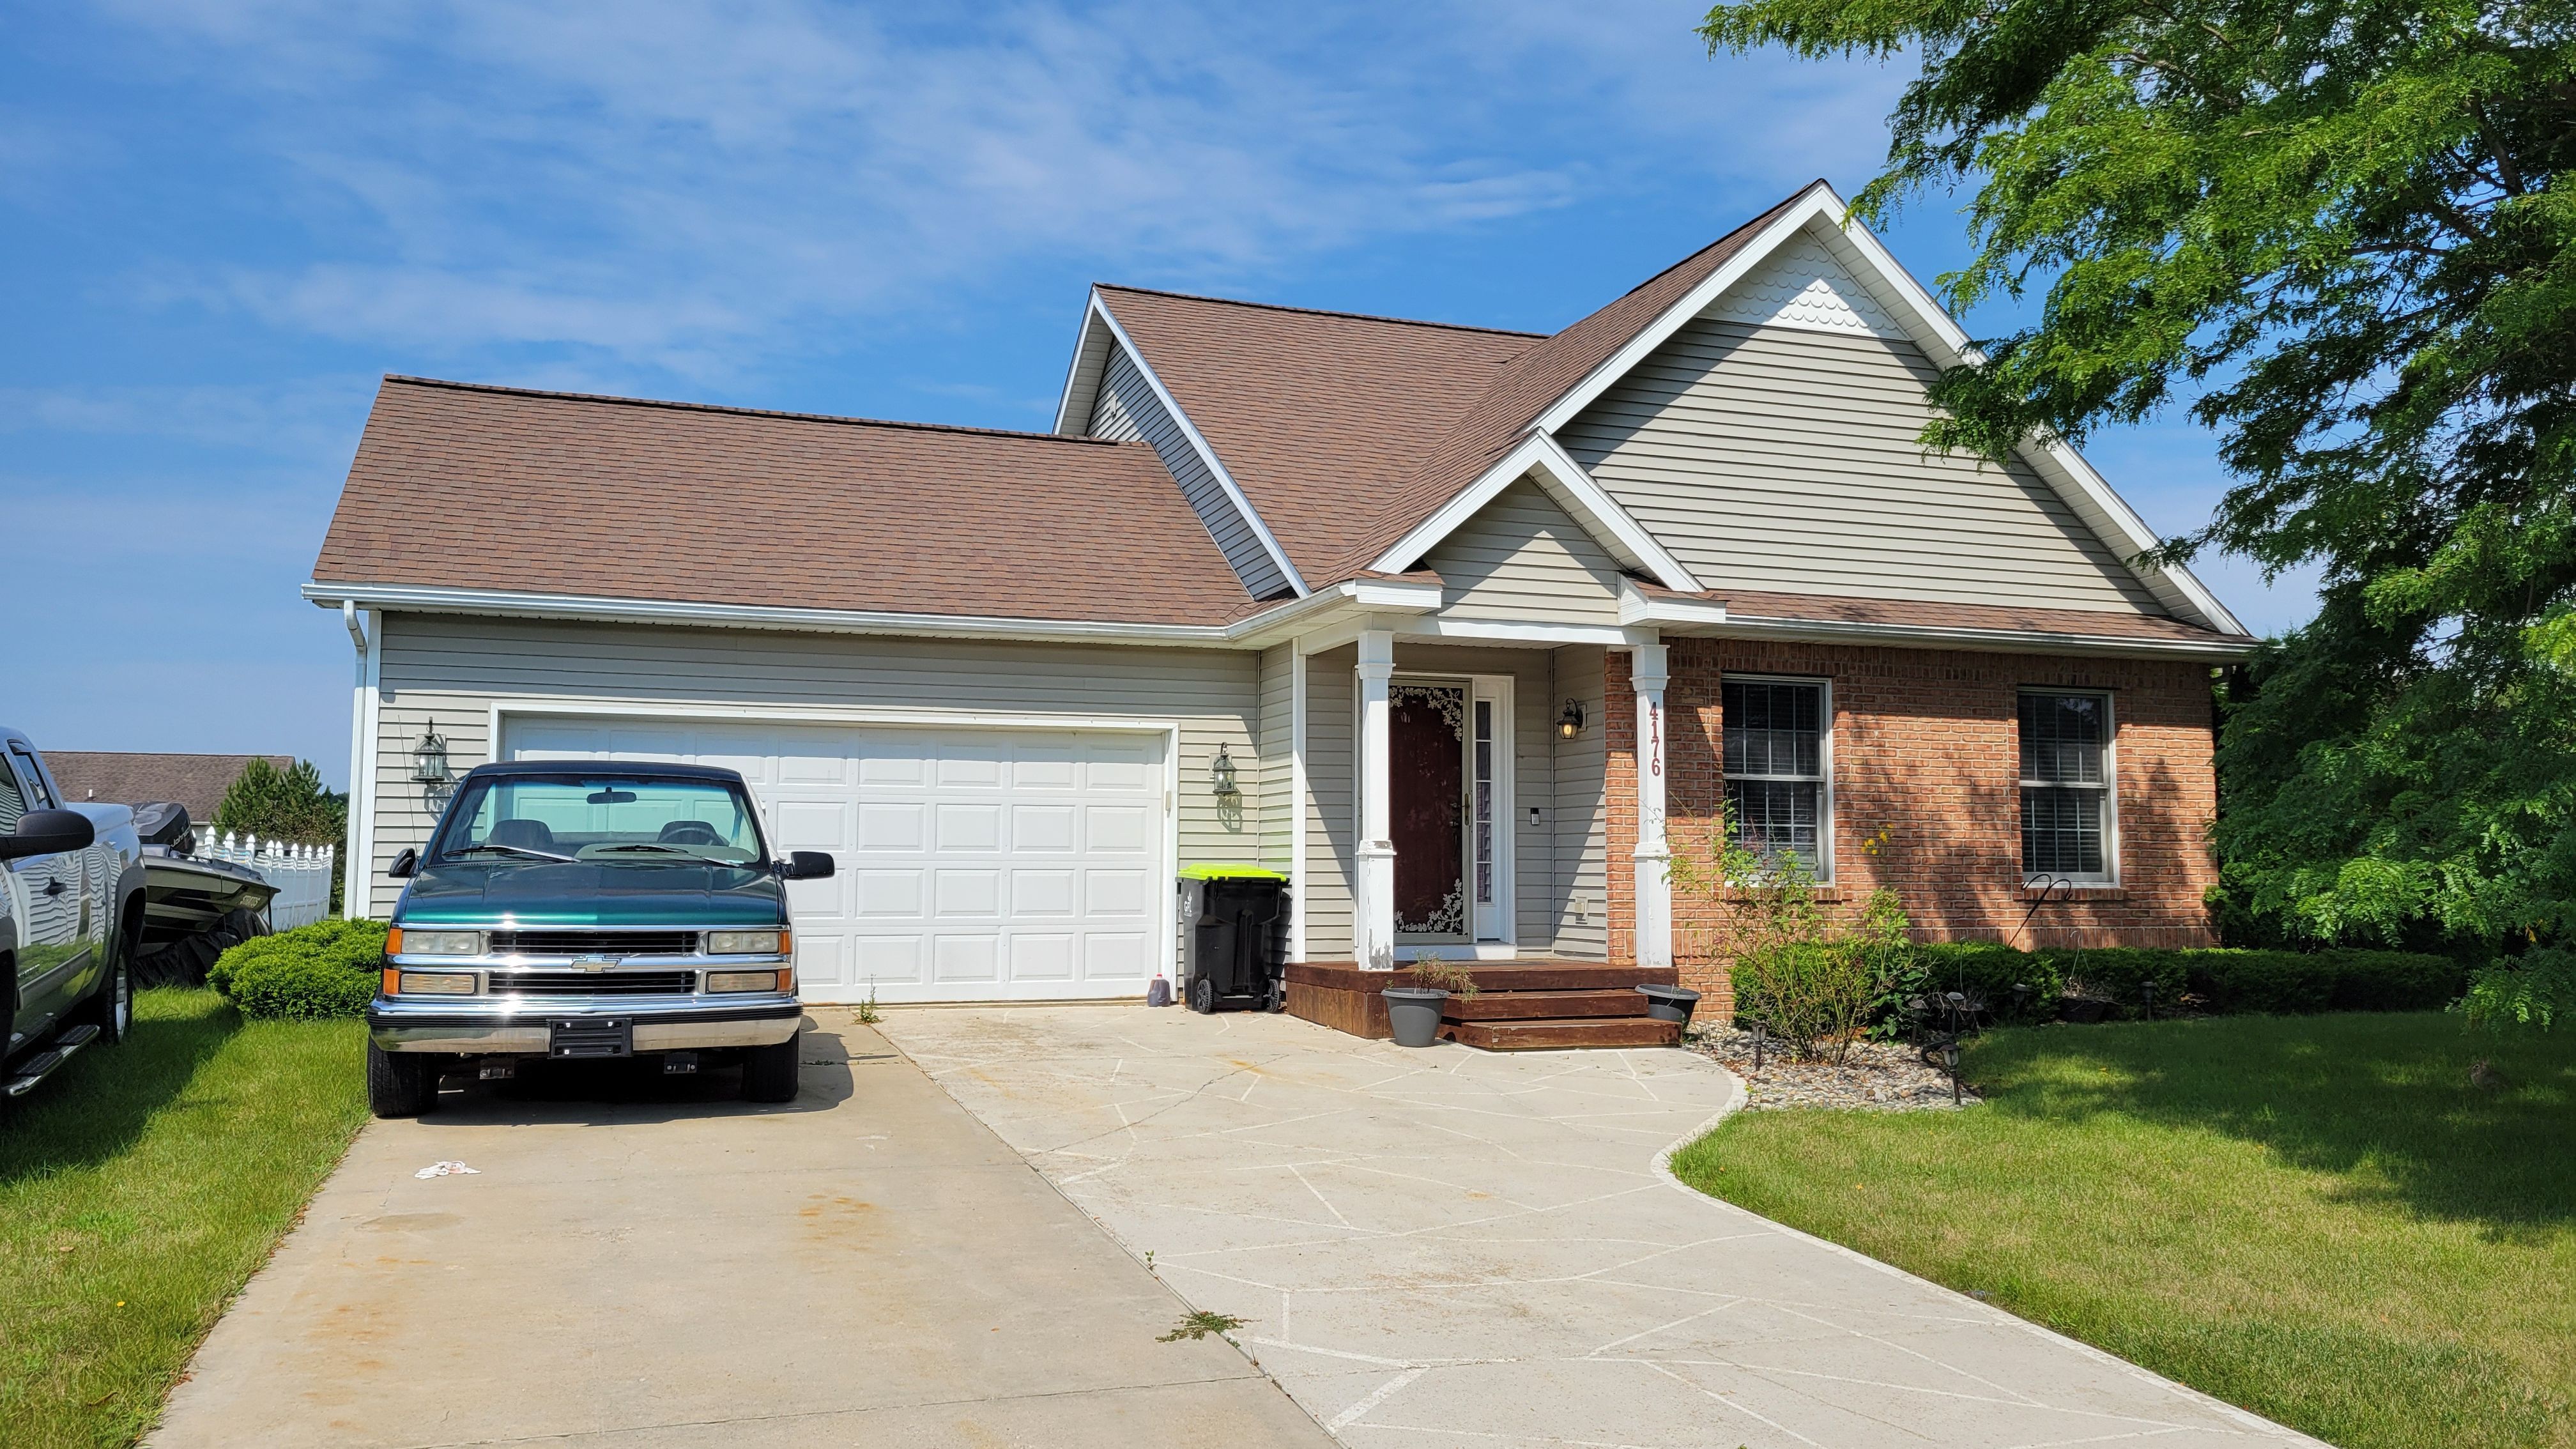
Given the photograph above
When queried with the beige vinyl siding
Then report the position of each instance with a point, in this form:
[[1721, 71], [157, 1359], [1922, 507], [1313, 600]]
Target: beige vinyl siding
[[1332, 824], [1127, 409], [449, 671], [1522, 557], [1786, 459], [1580, 820], [1276, 740]]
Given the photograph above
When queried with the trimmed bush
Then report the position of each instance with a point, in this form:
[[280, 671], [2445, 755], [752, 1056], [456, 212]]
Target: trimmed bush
[[2220, 981], [326, 969]]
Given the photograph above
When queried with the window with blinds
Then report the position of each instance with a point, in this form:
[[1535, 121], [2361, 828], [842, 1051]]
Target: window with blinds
[[1776, 762], [2067, 825]]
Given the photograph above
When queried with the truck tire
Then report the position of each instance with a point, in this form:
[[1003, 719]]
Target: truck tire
[[769, 1073], [111, 1007], [401, 1084]]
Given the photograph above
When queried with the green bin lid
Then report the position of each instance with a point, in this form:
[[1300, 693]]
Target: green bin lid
[[1229, 872]]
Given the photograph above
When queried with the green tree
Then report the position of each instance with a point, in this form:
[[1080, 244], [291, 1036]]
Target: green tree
[[2343, 234], [289, 804]]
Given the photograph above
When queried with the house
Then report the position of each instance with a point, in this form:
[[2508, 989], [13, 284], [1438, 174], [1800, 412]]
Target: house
[[134, 778], [1461, 628]]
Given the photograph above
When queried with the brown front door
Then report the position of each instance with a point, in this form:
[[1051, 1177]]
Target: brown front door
[[1427, 785]]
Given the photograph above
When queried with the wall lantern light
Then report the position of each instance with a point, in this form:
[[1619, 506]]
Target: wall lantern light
[[1569, 723], [1221, 775], [429, 760]]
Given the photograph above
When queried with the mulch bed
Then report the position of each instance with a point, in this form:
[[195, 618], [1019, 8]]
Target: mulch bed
[[1874, 1076]]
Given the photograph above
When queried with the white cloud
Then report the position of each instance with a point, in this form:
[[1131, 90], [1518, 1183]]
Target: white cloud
[[696, 187]]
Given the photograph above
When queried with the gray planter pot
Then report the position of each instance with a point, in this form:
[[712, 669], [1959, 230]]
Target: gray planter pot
[[1414, 1013], [1669, 1003]]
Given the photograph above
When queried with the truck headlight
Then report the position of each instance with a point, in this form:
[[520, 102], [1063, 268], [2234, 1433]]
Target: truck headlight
[[746, 943], [433, 983], [751, 981], [434, 943]]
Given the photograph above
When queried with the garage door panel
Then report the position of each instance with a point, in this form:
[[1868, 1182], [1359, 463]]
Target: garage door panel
[[969, 828], [972, 865], [1126, 829], [892, 825], [966, 958], [1042, 893]]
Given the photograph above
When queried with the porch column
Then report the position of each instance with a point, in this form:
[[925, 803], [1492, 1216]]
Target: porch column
[[1373, 894], [1654, 859]]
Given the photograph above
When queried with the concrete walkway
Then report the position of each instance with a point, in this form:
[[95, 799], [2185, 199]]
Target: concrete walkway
[[1448, 1247], [649, 1263]]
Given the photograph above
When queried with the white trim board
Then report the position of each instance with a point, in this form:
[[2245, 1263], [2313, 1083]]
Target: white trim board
[[1542, 459], [1821, 212]]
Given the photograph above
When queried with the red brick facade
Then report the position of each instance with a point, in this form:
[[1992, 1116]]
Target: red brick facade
[[1926, 792]]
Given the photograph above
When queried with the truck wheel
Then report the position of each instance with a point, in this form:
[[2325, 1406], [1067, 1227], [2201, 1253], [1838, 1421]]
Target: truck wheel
[[769, 1073], [401, 1084], [111, 1007]]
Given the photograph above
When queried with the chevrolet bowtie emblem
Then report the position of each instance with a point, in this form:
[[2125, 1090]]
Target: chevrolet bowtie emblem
[[593, 961]]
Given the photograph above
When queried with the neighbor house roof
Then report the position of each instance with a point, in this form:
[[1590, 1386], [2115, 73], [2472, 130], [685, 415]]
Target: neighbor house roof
[[471, 487], [1316, 414], [195, 781]]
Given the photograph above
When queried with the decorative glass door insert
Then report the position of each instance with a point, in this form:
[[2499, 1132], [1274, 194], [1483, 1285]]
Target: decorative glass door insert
[[1429, 799]]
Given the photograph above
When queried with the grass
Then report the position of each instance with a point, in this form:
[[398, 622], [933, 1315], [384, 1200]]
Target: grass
[[2316, 1218], [140, 1187]]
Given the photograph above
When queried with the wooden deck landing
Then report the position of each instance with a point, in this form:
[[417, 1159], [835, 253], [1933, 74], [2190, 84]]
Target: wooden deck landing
[[1540, 1003]]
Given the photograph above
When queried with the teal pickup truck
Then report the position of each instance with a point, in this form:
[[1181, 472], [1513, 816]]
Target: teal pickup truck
[[576, 910]]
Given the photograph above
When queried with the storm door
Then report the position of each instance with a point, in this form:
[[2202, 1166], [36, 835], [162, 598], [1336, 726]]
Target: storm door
[[1427, 779]]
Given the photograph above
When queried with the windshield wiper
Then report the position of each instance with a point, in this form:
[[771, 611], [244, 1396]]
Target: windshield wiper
[[599, 850], [511, 849]]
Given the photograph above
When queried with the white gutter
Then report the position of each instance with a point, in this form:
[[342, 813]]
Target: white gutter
[[1389, 595]]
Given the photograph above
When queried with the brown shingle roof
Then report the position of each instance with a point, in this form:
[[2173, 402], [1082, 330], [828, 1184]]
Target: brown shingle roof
[[196, 781], [465, 486], [1316, 414]]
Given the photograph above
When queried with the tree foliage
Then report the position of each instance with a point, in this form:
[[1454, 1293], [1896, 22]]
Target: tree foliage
[[289, 804], [2343, 231]]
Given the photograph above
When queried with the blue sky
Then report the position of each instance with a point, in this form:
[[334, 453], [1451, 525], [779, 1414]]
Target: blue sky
[[223, 219]]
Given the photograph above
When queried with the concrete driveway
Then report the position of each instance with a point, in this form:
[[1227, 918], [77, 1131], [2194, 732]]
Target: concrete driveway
[[1448, 1247], [649, 1263]]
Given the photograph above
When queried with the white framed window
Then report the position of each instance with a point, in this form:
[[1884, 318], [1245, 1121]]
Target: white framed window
[[1777, 755], [2070, 825]]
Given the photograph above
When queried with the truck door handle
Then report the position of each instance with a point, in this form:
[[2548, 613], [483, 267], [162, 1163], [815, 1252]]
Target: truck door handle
[[55, 887]]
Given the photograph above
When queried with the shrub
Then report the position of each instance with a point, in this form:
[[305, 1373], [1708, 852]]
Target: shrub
[[2222, 981], [1816, 983], [327, 969], [2532, 992]]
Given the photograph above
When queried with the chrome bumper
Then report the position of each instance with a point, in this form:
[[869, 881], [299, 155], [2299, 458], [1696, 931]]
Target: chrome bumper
[[488, 1025]]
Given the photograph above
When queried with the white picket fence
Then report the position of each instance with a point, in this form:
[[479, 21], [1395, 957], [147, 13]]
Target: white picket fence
[[301, 873]]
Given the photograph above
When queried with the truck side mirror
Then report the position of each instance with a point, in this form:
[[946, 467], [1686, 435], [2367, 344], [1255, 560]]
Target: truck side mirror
[[406, 865], [50, 832], [805, 865]]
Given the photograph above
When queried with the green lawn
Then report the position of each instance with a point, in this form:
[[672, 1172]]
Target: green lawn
[[2317, 1218], [139, 1189]]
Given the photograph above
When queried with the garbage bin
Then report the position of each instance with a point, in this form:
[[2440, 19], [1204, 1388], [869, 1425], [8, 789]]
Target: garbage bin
[[1234, 938]]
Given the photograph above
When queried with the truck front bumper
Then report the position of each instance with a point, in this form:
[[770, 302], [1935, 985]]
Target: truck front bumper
[[519, 1024]]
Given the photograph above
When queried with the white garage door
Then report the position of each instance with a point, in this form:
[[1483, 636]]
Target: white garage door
[[973, 865]]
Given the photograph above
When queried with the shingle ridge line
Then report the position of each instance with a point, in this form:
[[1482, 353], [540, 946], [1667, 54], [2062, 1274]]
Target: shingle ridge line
[[612, 400], [1320, 311]]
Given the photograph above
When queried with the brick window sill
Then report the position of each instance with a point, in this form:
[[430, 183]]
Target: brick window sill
[[2076, 893]]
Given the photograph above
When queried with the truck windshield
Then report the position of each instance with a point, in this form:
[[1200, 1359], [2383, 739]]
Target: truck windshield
[[619, 818]]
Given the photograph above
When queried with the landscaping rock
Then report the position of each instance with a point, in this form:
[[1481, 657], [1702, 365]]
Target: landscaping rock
[[1874, 1076]]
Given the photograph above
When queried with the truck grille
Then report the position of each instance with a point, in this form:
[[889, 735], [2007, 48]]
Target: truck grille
[[593, 983], [589, 943]]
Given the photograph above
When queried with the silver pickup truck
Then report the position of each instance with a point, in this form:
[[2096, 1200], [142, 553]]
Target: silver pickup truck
[[71, 909]]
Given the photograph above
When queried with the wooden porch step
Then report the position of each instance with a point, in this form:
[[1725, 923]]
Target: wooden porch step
[[1557, 1034], [1525, 1005]]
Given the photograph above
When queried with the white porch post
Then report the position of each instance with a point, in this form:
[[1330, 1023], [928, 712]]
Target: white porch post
[[1373, 899], [1654, 857]]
